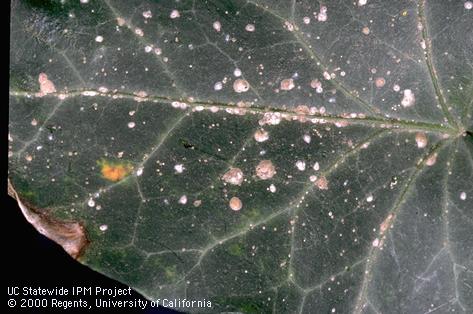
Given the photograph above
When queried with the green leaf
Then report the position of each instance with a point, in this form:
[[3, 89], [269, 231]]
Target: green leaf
[[267, 156]]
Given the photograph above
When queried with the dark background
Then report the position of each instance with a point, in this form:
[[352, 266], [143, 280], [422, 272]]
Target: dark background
[[30, 259]]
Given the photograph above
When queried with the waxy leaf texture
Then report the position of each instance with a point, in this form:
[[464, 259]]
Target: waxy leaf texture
[[270, 156]]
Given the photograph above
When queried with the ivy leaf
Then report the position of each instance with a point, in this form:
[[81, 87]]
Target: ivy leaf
[[266, 156]]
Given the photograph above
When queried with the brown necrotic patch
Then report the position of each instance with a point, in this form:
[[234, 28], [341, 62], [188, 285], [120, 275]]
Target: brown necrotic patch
[[71, 235]]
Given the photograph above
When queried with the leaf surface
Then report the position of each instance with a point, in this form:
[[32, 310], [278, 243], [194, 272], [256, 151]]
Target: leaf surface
[[130, 119]]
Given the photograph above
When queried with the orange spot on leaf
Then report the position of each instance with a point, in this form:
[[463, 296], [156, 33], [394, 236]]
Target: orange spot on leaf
[[115, 171]]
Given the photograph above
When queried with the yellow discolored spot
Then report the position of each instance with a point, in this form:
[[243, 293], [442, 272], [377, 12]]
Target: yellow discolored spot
[[236, 249], [404, 13], [170, 272], [114, 171]]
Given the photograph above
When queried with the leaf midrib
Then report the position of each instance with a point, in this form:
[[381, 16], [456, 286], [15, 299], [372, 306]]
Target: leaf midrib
[[441, 100], [370, 121]]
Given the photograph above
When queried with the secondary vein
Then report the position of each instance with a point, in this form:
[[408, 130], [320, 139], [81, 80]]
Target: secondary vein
[[431, 66]]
